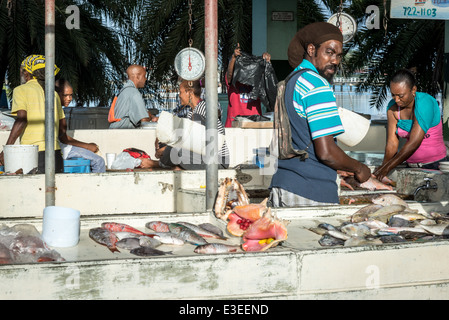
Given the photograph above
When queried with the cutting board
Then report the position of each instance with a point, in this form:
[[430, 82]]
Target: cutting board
[[252, 125]]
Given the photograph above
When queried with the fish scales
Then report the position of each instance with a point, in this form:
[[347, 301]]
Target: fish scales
[[186, 234], [104, 237], [158, 226], [201, 231], [211, 248], [148, 251]]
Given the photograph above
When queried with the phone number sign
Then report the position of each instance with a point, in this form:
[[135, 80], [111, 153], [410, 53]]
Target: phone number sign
[[420, 9]]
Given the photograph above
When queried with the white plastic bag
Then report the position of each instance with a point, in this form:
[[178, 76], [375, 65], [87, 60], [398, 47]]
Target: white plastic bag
[[182, 133], [6, 122], [125, 161]]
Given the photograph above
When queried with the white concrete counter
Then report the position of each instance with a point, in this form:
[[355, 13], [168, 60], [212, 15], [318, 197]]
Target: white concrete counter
[[298, 269]]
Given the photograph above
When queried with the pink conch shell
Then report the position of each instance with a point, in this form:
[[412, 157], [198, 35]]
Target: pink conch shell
[[265, 233]]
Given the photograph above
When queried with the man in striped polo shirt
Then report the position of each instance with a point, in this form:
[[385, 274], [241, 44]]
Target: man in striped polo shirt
[[314, 122]]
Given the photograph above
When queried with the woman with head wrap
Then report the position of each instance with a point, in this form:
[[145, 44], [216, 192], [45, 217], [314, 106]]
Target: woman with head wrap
[[416, 117], [28, 105], [314, 122]]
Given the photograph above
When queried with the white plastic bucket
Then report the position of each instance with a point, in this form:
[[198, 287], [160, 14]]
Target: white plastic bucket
[[20, 156], [61, 226], [182, 133], [356, 127]]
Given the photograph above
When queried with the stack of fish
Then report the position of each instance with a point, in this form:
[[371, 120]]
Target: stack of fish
[[387, 220], [122, 236]]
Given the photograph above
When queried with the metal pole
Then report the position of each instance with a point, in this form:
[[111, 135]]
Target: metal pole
[[49, 102], [211, 54]]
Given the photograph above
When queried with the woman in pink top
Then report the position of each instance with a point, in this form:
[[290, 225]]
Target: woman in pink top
[[416, 117], [239, 102]]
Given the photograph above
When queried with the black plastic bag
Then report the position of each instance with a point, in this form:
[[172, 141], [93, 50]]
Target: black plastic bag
[[258, 73]]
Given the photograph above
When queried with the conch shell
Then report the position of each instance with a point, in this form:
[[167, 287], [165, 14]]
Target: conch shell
[[265, 233], [230, 194]]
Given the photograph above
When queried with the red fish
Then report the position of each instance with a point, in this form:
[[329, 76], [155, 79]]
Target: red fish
[[104, 237], [121, 227], [158, 226]]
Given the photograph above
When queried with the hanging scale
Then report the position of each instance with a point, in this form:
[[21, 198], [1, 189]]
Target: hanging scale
[[190, 62], [346, 23]]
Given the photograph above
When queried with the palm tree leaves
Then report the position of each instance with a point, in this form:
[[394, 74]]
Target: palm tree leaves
[[406, 43], [91, 57]]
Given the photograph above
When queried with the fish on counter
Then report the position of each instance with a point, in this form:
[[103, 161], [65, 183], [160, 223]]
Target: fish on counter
[[148, 251], [347, 180], [104, 237], [157, 226], [212, 248], [121, 227], [387, 220], [186, 234], [201, 231], [128, 243], [145, 241]]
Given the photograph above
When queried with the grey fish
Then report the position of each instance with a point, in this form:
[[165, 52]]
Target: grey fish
[[201, 231], [169, 238], [384, 213], [329, 241], [186, 234], [123, 235], [319, 231], [104, 237], [361, 241], [396, 221], [215, 248], [148, 251], [149, 242], [356, 230], [392, 239], [362, 214], [212, 228], [326, 226], [438, 229], [338, 234], [128, 243], [389, 199]]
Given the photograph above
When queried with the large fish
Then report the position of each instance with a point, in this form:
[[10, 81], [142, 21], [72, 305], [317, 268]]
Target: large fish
[[362, 214], [212, 228], [388, 200], [188, 235], [121, 227], [215, 248], [383, 214], [201, 231], [104, 237]]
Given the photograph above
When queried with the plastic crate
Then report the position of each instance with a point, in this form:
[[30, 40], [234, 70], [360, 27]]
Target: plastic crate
[[76, 165]]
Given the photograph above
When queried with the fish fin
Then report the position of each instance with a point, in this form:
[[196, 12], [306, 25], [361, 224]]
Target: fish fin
[[113, 249]]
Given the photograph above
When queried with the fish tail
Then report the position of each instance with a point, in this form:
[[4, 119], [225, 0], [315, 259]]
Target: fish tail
[[113, 249]]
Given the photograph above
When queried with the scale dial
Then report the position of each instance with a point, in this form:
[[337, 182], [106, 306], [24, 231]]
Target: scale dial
[[348, 26], [190, 64]]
